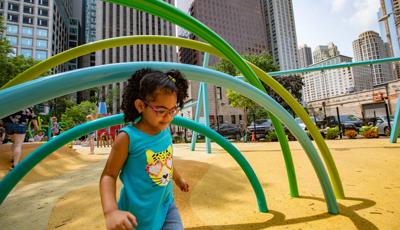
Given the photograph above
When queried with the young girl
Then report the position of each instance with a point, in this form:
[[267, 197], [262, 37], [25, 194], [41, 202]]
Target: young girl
[[142, 155]]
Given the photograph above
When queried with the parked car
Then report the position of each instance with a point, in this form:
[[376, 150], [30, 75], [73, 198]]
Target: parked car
[[346, 121], [383, 126], [228, 130], [260, 127], [301, 123]]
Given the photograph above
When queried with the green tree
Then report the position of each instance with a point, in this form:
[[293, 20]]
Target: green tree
[[265, 62], [76, 114]]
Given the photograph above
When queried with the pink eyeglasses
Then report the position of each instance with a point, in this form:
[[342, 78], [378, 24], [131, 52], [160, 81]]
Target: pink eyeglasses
[[161, 111]]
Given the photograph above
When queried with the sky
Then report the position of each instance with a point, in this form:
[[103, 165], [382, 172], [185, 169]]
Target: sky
[[319, 22]]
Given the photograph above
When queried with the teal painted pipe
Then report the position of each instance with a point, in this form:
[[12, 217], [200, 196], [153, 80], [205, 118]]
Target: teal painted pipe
[[205, 104], [197, 116], [342, 65], [12, 178], [19, 96], [394, 133]]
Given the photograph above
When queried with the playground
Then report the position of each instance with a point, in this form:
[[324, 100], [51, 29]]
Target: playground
[[309, 184], [220, 198]]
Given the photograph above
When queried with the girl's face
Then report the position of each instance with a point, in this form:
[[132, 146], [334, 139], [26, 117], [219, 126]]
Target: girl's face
[[158, 113]]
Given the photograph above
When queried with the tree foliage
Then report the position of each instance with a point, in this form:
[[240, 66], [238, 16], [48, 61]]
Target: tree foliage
[[265, 62], [76, 114]]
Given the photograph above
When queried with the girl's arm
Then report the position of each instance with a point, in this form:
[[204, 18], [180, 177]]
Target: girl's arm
[[117, 158], [179, 181]]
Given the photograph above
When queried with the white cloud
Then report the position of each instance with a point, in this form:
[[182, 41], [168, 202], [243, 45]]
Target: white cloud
[[338, 5], [364, 14]]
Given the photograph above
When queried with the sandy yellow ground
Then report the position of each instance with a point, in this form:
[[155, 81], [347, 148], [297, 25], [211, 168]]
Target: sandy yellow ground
[[62, 192]]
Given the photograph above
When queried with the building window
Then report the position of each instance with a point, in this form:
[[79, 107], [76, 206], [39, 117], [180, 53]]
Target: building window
[[29, 1], [233, 119], [12, 18], [26, 41], [13, 52], [28, 9], [41, 32], [220, 119], [42, 22], [13, 40], [43, 2], [40, 55], [27, 20], [43, 12], [12, 29], [41, 43], [219, 93], [26, 53], [13, 7], [27, 31]]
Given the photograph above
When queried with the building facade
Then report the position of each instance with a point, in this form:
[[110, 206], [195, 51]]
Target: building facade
[[365, 104], [112, 21], [281, 33], [322, 53], [389, 24], [305, 56], [241, 24], [370, 46], [334, 82]]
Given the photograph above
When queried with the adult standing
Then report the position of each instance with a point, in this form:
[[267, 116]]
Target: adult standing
[[16, 126]]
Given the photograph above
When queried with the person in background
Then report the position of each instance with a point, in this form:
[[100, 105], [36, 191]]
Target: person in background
[[16, 126]]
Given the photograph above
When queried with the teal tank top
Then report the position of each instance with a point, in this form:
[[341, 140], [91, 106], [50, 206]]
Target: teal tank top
[[147, 177]]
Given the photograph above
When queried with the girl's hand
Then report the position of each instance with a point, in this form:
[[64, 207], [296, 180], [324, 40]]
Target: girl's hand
[[120, 220], [182, 184]]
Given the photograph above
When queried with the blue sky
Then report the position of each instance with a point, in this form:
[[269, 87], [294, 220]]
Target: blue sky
[[339, 21]]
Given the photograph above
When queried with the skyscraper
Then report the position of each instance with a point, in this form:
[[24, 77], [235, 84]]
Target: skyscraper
[[325, 52], [369, 46], [114, 20], [281, 32], [305, 56], [242, 25], [37, 28], [389, 23]]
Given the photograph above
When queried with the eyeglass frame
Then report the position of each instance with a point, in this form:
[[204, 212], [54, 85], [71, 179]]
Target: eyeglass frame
[[172, 112]]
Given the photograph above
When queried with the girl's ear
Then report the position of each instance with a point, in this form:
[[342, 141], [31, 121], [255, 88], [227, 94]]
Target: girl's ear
[[139, 105]]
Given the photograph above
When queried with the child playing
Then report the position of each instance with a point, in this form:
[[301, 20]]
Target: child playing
[[54, 128], [39, 136], [91, 134], [142, 155]]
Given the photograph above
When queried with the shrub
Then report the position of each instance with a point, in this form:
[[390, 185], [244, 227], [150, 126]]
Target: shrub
[[369, 131], [350, 133], [271, 136], [332, 133]]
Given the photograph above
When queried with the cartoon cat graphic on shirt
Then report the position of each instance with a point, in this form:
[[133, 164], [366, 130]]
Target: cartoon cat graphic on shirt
[[159, 166]]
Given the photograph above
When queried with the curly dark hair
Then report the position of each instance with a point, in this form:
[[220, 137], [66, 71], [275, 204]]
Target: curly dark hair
[[145, 82]]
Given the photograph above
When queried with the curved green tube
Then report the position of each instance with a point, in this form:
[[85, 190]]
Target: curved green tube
[[11, 179], [18, 97], [60, 58]]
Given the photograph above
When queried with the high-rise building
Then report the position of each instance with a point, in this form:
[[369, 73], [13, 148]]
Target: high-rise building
[[369, 46], [37, 28], [322, 53], [281, 32], [389, 16], [333, 82], [114, 20], [305, 56], [242, 25]]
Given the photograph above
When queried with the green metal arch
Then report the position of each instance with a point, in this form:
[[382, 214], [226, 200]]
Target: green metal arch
[[18, 97], [11, 179], [60, 58]]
